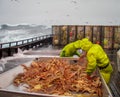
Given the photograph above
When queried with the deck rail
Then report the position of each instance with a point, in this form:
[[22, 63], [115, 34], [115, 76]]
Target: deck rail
[[24, 41]]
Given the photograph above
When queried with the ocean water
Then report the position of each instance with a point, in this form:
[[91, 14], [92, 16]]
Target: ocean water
[[9, 33]]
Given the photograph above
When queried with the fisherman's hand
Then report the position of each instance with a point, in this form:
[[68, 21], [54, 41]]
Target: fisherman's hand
[[89, 77], [82, 57]]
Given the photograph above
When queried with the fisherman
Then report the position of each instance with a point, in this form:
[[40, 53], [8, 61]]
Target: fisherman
[[95, 54]]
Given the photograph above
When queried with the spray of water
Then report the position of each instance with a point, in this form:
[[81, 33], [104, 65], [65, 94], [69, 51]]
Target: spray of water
[[2, 64]]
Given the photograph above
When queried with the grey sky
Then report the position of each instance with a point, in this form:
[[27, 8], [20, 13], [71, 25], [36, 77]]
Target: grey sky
[[50, 12]]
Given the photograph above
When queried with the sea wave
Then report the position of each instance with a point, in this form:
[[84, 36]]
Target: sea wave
[[20, 32]]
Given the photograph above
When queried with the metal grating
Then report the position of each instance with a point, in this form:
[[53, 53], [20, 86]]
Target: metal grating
[[115, 78]]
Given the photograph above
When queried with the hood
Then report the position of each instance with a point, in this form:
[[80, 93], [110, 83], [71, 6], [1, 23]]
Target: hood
[[77, 44], [86, 44]]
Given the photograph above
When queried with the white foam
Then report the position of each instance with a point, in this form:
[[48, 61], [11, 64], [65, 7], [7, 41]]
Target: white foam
[[2, 64]]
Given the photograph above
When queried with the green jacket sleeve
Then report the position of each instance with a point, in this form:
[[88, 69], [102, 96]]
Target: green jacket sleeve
[[91, 63], [70, 49]]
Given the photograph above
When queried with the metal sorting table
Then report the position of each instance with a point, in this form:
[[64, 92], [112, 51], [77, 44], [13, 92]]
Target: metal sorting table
[[7, 88]]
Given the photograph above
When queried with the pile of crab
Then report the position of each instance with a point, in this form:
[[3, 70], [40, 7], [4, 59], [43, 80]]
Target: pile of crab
[[58, 76]]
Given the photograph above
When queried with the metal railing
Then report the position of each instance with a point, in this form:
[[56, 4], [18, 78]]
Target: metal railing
[[22, 42]]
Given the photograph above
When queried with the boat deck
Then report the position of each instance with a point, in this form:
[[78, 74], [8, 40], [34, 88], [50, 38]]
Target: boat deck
[[114, 84], [23, 57]]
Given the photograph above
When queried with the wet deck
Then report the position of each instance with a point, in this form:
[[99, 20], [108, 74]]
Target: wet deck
[[114, 84], [23, 57]]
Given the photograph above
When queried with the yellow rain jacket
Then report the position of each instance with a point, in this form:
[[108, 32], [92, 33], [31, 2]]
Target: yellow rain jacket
[[96, 57], [71, 49]]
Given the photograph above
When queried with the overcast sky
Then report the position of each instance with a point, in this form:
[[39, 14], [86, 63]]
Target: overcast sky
[[50, 12]]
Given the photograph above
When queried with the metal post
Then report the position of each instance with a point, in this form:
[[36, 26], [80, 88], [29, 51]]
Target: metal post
[[92, 32], [68, 34], [76, 32], [84, 30], [0, 53], [113, 37]]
